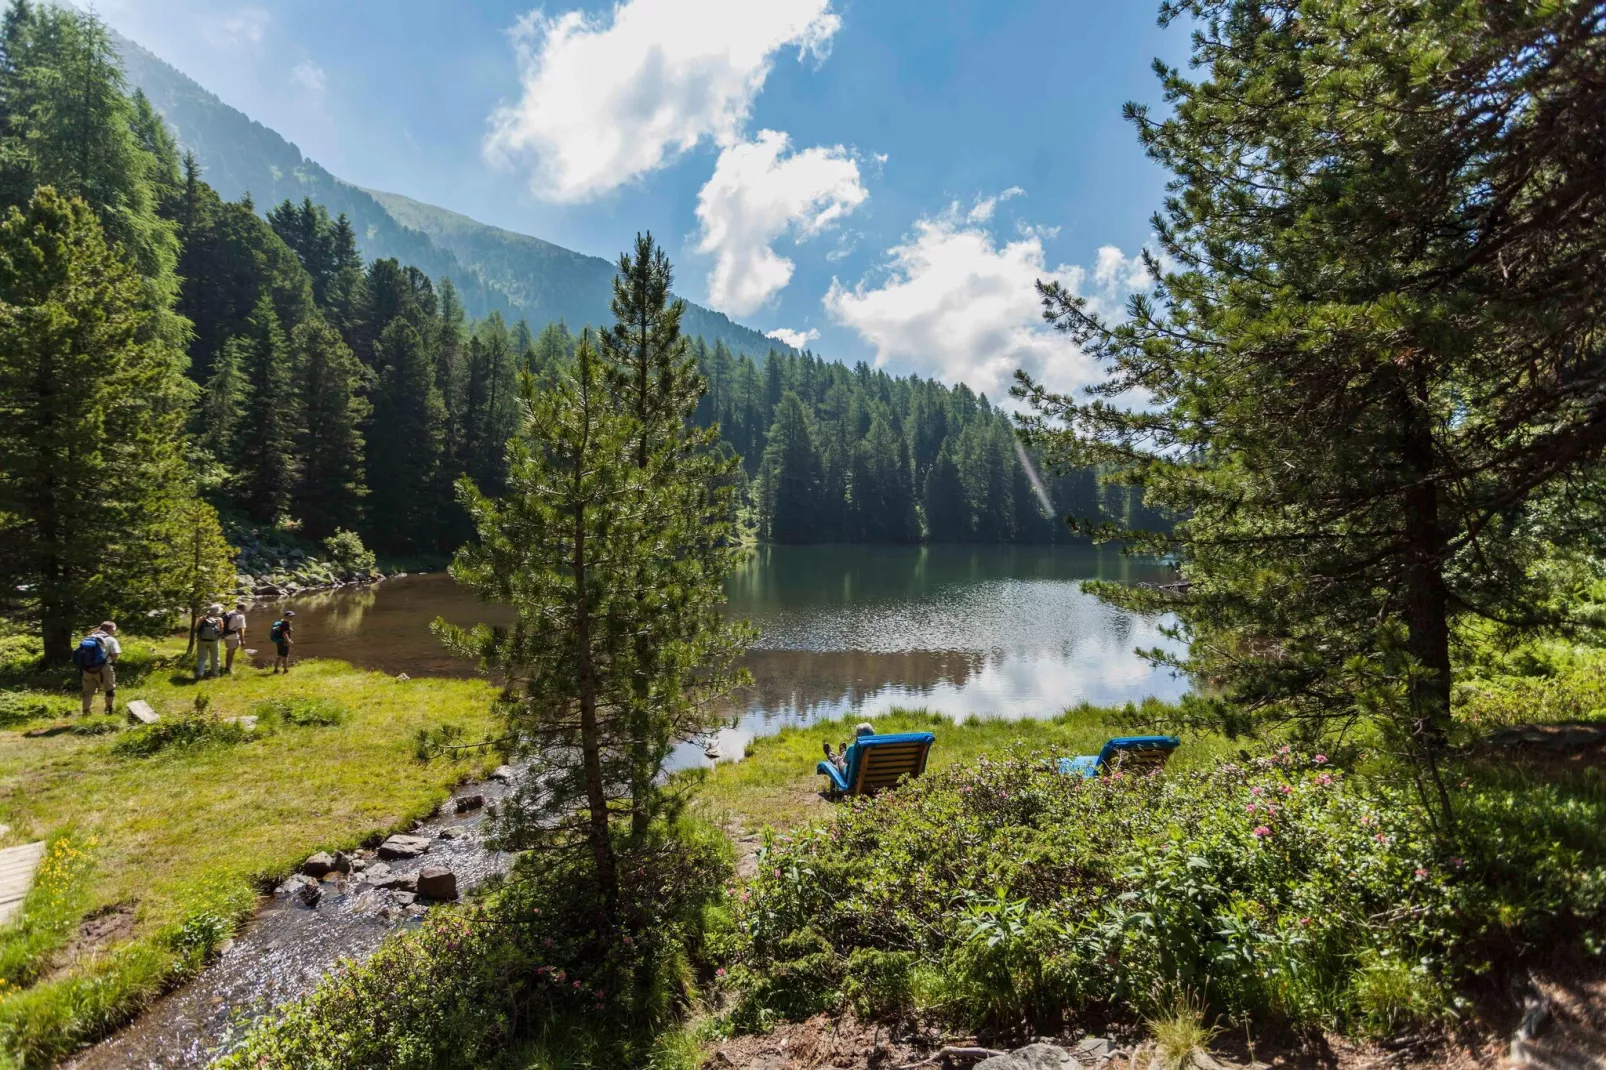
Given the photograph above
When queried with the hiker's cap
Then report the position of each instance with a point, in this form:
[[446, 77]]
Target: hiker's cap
[[289, 612]]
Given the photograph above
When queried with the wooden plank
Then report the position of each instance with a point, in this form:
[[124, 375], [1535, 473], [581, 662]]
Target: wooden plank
[[17, 867], [140, 712]]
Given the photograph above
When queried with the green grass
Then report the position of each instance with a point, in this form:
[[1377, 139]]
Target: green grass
[[185, 838], [776, 784]]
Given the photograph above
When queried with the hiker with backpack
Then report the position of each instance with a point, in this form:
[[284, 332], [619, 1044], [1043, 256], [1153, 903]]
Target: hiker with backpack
[[279, 634], [233, 635], [95, 655], [208, 630]]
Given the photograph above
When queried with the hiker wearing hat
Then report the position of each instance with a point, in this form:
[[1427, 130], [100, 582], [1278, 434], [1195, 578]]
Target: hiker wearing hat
[[233, 635], [94, 656], [280, 635], [208, 630]]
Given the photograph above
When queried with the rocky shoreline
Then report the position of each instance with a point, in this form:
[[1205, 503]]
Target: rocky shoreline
[[264, 570]]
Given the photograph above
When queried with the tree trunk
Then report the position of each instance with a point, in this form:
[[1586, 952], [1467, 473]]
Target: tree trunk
[[590, 735], [1426, 597], [640, 756]]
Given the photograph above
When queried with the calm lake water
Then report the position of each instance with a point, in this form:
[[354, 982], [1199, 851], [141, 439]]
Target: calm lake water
[[998, 631]]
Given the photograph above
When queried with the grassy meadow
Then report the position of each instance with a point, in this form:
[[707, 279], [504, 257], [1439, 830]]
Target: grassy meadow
[[157, 852]]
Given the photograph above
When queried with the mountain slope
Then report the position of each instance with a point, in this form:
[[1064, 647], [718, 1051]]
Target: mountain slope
[[548, 281], [494, 270]]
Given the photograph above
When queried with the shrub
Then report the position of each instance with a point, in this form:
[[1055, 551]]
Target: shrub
[[301, 712], [346, 550], [1278, 888]]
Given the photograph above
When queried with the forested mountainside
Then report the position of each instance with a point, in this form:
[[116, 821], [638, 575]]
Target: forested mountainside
[[547, 282], [342, 388], [493, 270]]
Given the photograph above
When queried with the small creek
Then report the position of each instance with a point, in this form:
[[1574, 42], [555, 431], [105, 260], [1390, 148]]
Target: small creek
[[289, 947]]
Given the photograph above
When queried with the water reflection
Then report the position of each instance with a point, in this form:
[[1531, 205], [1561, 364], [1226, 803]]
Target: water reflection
[[962, 630]]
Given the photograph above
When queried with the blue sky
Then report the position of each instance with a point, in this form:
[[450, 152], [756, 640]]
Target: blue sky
[[891, 174]]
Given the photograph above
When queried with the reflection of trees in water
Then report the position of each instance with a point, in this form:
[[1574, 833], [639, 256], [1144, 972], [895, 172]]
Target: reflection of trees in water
[[802, 684], [339, 611]]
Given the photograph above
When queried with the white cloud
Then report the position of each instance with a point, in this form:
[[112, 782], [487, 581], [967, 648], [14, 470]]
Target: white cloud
[[243, 26], [984, 207], [757, 194], [1115, 272], [795, 339], [309, 76], [958, 305], [606, 100]]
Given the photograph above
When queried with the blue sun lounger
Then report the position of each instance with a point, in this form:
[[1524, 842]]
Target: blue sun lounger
[[1127, 753], [878, 762]]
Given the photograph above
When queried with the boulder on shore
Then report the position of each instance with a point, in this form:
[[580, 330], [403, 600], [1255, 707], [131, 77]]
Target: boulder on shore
[[437, 882], [319, 865], [403, 846], [465, 803]]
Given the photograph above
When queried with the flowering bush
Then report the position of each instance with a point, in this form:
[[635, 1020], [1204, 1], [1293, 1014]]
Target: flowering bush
[[1015, 898]]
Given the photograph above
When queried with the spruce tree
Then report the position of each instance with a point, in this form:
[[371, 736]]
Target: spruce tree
[[405, 440], [331, 489], [789, 476], [91, 430], [947, 515], [267, 460]]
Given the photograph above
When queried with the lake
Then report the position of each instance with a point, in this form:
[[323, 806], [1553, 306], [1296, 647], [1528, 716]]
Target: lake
[[963, 630]]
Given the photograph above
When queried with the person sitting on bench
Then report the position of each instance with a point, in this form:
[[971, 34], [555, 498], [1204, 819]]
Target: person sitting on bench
[[840, 758]]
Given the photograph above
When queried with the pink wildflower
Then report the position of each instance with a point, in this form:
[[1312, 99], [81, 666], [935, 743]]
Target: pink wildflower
[[1251, 808], [1284, 750], [1366, 819], [1421, 873], [1381, 838], [577, 984], [1321, 759], [1323, 779], [1287, 789], [720, 972], [547, 942], [1458, 861], [1261, 831], [1304, 921], [1257, 790]]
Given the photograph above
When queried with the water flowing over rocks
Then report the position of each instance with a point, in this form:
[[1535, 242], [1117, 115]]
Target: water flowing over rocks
[[301, 931]]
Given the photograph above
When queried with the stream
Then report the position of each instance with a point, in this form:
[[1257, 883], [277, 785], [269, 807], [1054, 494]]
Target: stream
[[288, 947]]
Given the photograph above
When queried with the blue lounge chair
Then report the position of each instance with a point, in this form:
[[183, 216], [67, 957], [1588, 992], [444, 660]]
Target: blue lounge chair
[[1127, 753], [877, 762]]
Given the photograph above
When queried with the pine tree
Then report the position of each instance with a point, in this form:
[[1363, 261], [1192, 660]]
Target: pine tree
[[947, 513], [566, 549], [91, 430], [222, 409], [206, 564], [1378, 346], [331, 489], [267, 458], [652, 376]]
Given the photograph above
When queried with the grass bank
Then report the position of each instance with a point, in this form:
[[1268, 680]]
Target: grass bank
[[776, 784], [162, 842]]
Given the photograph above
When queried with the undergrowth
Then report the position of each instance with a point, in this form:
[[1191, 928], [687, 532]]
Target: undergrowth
[[1006, 899]]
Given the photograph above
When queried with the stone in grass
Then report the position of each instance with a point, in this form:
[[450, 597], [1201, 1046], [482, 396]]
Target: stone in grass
[[465, 803], [310, 893], [319, 865], [437, 882], [403, 846], [1032, 1057]]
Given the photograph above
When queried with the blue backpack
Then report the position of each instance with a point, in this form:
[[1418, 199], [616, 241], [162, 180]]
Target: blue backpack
[[276, 633], [90, 653]]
